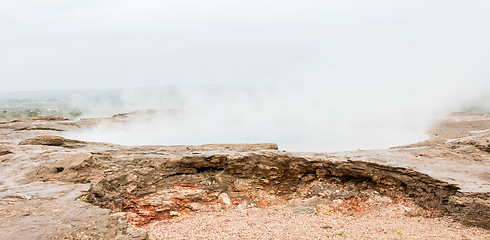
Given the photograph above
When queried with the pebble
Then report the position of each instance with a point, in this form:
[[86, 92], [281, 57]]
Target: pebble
[[224, 199]]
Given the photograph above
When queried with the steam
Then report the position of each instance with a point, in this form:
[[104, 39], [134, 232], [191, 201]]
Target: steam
[[306, 117], [311, 75]]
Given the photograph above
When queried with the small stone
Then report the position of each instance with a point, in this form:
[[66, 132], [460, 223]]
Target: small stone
[[130, 188], [196, 206], [242, 207], [383, 199], [214, 194], [264, 180], [135, 232], [131, 177], [241, 185], [174, 213], [317, 164], [224, 199], [323, 209], [165, 205], [321, 172], [134, 218], [308, 178]]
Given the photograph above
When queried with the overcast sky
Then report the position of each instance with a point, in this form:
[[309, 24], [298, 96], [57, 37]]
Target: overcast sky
[[59, 44]]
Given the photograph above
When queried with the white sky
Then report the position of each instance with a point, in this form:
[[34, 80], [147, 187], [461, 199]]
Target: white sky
[[59, 44]]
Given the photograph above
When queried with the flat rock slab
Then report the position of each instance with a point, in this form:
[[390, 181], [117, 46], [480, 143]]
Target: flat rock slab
[[471, 176]]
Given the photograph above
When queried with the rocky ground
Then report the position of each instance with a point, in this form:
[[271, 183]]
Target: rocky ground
[[57, 188]]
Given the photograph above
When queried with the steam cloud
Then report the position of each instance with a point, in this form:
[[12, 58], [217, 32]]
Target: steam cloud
[[310, 75], [305, 117]]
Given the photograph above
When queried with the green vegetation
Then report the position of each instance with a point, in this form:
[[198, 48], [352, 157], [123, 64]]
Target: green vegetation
[[12, 109], [62, 103], [9, 115]]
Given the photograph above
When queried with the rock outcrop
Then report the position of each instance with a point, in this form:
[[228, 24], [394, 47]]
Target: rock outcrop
[[103, 184], [53, 141]]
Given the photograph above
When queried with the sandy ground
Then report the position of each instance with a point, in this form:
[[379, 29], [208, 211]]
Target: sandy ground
[[280, 222]]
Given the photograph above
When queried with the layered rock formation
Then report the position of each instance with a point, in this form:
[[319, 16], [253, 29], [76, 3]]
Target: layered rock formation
[[74, 189]]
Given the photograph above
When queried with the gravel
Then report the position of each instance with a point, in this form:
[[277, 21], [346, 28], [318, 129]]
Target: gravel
[[281, 222]]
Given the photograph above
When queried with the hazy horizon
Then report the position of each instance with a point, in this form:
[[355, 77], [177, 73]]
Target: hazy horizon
[[320, 73]]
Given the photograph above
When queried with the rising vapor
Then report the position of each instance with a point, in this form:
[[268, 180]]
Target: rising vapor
[[311, 75]]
